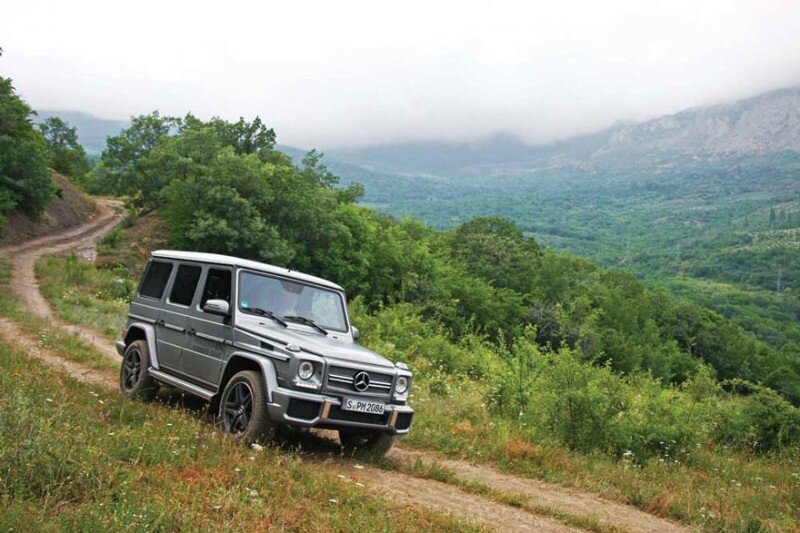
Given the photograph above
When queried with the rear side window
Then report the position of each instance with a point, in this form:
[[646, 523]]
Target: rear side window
[[185, 285], [155, 279], [218, 286]]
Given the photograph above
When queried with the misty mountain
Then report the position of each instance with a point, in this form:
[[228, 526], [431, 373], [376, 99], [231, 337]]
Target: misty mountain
[[765, 123], [92, 131], [439, 157]]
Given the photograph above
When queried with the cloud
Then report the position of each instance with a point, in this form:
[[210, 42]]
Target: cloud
[[335, 74]]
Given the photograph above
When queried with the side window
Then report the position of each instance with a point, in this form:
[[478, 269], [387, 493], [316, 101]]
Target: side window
[[185, 285], [218, 286], [155, 279]]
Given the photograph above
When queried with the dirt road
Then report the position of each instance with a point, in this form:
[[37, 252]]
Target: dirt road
[[399, 489]]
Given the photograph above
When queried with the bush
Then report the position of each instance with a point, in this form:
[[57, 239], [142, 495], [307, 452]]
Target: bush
[[759, 422], [423, 343], [590, 408]]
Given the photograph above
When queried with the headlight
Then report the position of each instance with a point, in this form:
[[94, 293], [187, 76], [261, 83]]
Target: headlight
[[402, 385], [305, 370]]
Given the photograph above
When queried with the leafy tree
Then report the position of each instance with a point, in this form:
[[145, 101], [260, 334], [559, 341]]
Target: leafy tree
[[124, 168], [24, 180], [215, 210], [496, 250], [67, 156]]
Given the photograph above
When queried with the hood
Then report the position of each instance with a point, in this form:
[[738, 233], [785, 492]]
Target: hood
[[342, 348]]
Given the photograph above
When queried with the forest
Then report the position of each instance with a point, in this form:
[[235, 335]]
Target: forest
[[590, 356]]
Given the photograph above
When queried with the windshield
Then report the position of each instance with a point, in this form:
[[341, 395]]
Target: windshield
[[291, 298]]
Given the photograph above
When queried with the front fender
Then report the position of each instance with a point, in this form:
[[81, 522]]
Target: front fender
[[267, 370]]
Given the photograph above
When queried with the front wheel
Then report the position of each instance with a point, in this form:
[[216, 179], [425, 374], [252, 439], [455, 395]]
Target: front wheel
[[243, 409], [365, 441], [134, 381]]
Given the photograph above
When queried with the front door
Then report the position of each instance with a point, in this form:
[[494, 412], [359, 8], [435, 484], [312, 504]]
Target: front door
[[205, 348]]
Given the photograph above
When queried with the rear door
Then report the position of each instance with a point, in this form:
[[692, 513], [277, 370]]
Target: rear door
[[174, 315], [147, 305], [204, 351]]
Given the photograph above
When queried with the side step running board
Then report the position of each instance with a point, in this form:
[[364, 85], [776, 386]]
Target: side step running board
[[178, 382]]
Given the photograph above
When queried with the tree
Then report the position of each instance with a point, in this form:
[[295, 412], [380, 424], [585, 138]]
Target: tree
[[24, 180], [67, 156], [124, 169], [219, 209], [496, 250]]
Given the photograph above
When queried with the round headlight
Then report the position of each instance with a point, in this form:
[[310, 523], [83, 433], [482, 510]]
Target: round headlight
[[305, 370], [402, 385]]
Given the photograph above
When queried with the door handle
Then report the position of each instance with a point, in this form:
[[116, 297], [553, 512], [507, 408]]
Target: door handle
[[191, 331], [161, 323]]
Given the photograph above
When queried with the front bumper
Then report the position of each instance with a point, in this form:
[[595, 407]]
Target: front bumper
[[304, 409]]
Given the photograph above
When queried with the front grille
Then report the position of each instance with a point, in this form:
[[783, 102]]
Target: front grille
[[336, 413], [341, 378]]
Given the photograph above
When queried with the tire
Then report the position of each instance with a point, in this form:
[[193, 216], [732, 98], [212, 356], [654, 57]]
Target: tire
[[134, 381], [246, 418], [366, 442]]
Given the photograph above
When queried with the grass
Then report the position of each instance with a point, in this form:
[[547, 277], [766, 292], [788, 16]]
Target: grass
[[719, 490], [80, 294], [69, 346], [76, 458]]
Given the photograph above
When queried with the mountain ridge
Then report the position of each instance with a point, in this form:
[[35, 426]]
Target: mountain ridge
[[764, 123]]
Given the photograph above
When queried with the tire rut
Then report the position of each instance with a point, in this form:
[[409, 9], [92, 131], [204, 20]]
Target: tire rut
[[399, 489]]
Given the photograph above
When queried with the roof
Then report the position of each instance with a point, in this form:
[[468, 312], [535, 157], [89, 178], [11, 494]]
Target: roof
[[218, 259]]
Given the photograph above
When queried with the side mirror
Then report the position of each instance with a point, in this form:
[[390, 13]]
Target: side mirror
[[217, 307], [356, 333]]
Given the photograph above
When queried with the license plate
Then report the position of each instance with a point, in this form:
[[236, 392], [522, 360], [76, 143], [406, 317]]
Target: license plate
[[362, 406]]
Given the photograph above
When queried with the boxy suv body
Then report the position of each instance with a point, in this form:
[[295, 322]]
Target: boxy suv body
[[268, 345]]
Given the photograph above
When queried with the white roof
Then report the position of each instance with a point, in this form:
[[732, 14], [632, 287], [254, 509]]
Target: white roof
[[244, 263]]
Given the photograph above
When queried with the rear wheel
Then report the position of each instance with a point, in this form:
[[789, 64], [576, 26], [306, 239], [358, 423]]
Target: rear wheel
[[134, 381], [365, 441], [243, 409]]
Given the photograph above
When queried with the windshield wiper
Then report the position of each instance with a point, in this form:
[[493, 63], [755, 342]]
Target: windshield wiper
[[307, 322], [268, 314]]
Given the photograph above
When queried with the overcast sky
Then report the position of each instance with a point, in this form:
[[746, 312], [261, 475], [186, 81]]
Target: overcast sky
[[338, 73]]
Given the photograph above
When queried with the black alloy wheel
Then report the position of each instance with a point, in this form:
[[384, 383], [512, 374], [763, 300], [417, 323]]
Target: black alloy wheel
[[134, 379], [131, 368], [238, 408], [243, 408]]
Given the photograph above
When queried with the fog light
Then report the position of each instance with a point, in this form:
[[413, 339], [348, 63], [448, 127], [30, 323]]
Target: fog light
[[305, 370]]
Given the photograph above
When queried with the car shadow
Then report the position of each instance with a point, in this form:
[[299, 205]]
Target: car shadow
[[320, 444]]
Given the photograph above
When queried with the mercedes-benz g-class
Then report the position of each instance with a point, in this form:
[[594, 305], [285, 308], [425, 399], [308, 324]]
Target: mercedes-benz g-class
[[269, 346]]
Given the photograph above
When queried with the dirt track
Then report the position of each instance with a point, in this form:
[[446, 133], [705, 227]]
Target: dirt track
[[400, 489]]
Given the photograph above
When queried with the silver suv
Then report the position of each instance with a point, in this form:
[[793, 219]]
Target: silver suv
[[268, 345]]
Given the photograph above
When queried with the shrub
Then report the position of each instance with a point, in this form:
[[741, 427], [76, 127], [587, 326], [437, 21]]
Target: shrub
[[589, 407], [759, 422]]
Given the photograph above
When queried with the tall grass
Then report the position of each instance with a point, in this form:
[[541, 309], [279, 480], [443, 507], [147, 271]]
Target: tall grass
[[81, 294], [78, 459]]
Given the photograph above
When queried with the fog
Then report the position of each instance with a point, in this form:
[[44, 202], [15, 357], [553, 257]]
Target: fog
[[334, 74]]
